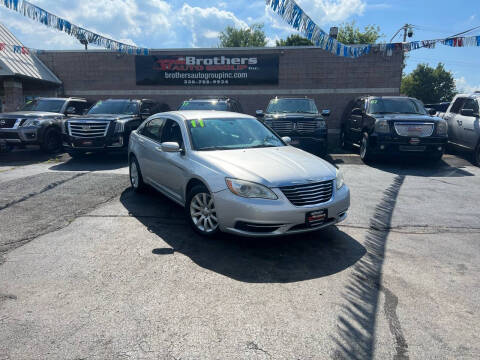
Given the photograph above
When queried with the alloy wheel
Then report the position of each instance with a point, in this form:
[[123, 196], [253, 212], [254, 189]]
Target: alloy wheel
[[203, 213], [134, 179], [363, 147]]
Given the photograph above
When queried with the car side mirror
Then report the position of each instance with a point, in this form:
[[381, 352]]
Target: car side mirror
[[170, 147], [70, 110], [260, 113], [325, 113], [468, 112], [431, 111], [287, 140], [357, 111]]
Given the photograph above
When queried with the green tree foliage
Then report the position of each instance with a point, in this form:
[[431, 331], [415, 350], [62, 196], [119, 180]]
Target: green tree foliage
[[294, 40], [254, 36], [431, 85], [349, 34]]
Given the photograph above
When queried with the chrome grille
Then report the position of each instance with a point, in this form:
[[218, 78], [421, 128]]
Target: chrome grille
[[306, 126], [88, 129], [414, 129], [280, 125], [309, 194]]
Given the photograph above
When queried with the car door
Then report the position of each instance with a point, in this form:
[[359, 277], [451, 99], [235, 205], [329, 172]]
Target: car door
[[453, 123], [468, 125], [147, 153], [170, 169], [355, 120]]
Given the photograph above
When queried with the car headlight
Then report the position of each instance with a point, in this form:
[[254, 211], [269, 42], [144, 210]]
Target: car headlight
[[250, 189], [32, 122], [321, 123], [442, 128], [382, 127], [119, 127], [339, 180]]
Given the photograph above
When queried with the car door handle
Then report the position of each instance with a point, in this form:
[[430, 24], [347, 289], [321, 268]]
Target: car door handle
[[459, 122]]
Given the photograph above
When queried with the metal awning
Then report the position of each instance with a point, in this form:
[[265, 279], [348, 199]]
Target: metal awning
[[22, 65]]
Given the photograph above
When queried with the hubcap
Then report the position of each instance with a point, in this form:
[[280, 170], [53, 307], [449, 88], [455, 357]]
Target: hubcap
[[203, 213], [134, 174], [363, 148]]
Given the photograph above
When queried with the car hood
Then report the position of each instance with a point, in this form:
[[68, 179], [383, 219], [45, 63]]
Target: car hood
[[104, 117], [273, 167], [287, 116], [29, 114], [405, 117]]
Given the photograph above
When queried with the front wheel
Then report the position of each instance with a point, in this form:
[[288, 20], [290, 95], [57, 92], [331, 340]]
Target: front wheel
[[365, 150], [52, 142], [344, 144], [136, 179], [201, 213]]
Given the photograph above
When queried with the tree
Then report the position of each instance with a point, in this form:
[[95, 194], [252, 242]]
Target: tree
[[249, 37], [431, 85], [294, 40], [349, 34]]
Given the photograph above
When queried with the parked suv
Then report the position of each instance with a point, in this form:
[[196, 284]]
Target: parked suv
[[107, 125], [40, 122], [212, 103], [463, 123], [299, 119], [392, 124]]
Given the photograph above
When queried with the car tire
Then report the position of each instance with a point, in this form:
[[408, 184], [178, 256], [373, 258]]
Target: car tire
[[76, 154], [135, 175], [435, 158], [365, 149], [52, 141], [344, 144], [201, 213], [476, 155]]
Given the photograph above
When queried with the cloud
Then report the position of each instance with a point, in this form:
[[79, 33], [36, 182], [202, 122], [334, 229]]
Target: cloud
[[203, 22], [332, 11], [463, 86]]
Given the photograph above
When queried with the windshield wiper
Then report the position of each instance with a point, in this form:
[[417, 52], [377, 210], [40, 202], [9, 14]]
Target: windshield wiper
[[210, 148], [262, 146]]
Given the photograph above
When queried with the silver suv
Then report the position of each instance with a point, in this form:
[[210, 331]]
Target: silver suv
[[463, 123], [233, 174]]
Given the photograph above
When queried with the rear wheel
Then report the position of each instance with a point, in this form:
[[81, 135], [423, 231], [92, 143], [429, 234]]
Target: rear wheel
[[201, 213], [52, 141], [365, 149], [136, 179], [476, 155]]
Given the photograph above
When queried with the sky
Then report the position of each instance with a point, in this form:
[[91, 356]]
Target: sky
[[190, 23]]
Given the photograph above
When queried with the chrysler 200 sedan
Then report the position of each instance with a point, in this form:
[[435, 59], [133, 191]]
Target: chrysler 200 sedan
[[232, 174]]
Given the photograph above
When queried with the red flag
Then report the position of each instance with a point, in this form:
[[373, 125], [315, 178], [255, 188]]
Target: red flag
[[2, 46], [25, 50]]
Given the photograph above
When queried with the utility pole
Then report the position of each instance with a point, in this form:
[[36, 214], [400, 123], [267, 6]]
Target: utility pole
[[407, 31]]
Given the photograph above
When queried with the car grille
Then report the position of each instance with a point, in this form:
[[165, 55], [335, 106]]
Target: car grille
[[286, 126], [414, 129], [7, 123], [280, 126], [88, 129], [309, 194], [306, 126]]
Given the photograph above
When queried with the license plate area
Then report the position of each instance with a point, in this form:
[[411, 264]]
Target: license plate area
[[316, 218]]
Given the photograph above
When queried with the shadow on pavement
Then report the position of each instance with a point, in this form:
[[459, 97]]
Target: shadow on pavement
[[279, 260], [94, 162], [29, 156], [356, 329]]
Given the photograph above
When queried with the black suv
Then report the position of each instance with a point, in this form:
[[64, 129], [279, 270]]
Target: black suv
[[299, 119], [392, 124], [40, 122], [107, 125], [212, 103]]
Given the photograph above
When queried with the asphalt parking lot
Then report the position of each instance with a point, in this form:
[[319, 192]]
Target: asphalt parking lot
[[90, 270]]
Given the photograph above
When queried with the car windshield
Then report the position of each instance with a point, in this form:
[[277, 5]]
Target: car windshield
[[125, 107], [292, 106], [230, 133], [44, 105], [204, 105], [396, 106]]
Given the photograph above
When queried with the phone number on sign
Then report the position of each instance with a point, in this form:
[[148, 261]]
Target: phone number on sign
[[205, 82]]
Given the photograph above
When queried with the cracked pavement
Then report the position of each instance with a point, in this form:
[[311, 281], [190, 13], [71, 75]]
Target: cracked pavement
[[90, 270]]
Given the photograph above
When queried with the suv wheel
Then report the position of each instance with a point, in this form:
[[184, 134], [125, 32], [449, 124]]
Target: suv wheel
[[365, 149], [52, 141], [136, 179], [201, 213], [476, 156], [344, 144]]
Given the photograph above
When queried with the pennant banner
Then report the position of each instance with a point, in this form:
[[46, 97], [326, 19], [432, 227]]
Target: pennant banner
[[44, 17]]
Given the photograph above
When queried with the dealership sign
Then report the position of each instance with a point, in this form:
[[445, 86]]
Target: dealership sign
[[206, 69]]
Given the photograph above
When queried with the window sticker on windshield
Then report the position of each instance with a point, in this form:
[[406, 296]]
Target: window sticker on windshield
[[201, 122], [185, 103], [373, 101], [194, 124]]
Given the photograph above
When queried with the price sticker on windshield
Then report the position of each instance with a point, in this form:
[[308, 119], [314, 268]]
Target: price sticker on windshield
[[199, 121]]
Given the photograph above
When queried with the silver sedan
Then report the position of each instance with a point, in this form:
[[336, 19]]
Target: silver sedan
[[232, 173]]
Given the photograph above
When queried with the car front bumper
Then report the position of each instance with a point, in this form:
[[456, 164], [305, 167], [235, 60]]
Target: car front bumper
[[390, 144], [28, 135], [111, 143], [267, 218]]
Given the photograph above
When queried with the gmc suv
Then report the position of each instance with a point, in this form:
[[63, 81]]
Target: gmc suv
[[299, 119], [392, 124], [40, 122], [107, 125]]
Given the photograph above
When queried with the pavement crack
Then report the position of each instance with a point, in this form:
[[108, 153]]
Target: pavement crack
[[253, 346], [45, 189], [390, 309]]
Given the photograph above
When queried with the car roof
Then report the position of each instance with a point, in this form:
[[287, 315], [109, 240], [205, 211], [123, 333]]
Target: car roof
[[61, 98], [291, 98], [209, 99], [473, 95], [204, 114]]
